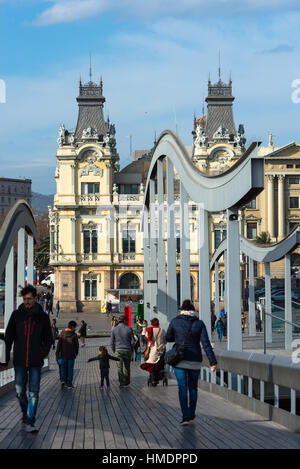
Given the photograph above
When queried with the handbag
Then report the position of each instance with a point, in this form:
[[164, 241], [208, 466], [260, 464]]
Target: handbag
[[147, 351], [176, 354]]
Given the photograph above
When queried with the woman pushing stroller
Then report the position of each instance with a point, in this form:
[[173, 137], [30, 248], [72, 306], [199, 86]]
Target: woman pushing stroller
[[154, 364]]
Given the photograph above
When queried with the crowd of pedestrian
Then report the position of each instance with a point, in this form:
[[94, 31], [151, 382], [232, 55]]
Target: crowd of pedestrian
[[31, 336]]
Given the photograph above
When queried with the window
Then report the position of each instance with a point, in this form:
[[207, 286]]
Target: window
[[252, 204], [294, 202], [289, 165], [90, 188], [129, 281], [90, 241], [251, 230], [293, 180], [219, 236], [297, 165], [90, 288], [128, 241], [293, 225], [130, 189]]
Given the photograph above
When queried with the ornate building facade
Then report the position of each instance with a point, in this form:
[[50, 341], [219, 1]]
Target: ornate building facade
[[95, 224]]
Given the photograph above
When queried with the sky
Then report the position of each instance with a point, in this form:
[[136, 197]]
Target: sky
[[155, 58]]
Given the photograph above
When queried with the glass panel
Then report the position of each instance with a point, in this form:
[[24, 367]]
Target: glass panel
[[87, 289], [90, 187], [251, 230], [83, 188], [86, 242], [294, 202], [94, 288], [94, 241], [217, 237], [96, 188]]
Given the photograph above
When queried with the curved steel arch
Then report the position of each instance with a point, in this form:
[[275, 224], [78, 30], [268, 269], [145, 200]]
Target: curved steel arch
[[272, 253], [19, 216], [246, 176]]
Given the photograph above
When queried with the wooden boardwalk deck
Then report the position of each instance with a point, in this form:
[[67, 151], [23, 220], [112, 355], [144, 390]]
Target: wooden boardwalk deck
[[137, 417]]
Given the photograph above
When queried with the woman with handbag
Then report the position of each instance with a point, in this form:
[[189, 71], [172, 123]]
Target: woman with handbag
[[187, 331], [154, 353]]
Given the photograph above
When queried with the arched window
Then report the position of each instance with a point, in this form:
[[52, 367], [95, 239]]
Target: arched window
[[129, 281]]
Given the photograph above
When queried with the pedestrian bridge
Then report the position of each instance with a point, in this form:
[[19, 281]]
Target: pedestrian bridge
[[250, 402], [137, 417]]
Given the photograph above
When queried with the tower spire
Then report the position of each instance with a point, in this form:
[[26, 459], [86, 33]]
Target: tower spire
[[90, 67], [219, 65]]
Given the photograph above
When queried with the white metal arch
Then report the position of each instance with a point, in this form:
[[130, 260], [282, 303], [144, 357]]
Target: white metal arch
[[18, 221], [227, 191], [265, 254]]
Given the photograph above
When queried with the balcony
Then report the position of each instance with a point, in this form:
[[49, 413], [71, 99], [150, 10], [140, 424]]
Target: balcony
[[88, 199]]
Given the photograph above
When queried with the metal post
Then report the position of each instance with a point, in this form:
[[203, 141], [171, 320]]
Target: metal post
[[288, 333], [233, 281], [153, 249], [146, 264], [162, 280], [185, 279], [204, 272], [171, 245], [21, 264], [30, 245], [268, 305], [252, 318], [217, 290], [9, 304]]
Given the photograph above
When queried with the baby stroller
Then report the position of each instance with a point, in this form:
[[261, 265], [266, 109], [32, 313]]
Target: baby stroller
[[159, 374]]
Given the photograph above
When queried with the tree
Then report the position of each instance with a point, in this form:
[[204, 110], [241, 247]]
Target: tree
[[263, 238], [42, 247]]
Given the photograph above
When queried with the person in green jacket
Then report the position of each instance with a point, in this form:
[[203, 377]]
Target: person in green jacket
[[219, 328]]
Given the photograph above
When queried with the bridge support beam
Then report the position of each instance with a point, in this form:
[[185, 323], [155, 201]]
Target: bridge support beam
[[146, 246], [268, 304], [288, 303], [217, 290], [171, 246], [153, 251], [9, 304], [162, 280], [251, 300], [21, 264], [30, 247], [185, 276], [233, 284], [204, 272]]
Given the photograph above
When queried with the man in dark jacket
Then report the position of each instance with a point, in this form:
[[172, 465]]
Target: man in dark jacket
[[30, 330], [67, 349], [122, 342]]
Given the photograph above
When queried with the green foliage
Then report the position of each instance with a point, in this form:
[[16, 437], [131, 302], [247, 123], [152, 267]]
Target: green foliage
[[263, 238]]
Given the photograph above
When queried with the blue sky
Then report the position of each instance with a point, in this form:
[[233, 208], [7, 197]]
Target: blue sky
[[154, 57]]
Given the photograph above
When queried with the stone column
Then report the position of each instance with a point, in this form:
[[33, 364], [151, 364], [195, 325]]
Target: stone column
[[73, 166], [271, 224], [281, 207]]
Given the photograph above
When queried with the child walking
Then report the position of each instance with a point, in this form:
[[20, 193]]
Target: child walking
[[104, 358]]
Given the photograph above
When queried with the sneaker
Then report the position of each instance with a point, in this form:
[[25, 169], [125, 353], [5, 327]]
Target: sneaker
[[184, 421], [30, 428], [101, 387], [70, 386], [62, 384]]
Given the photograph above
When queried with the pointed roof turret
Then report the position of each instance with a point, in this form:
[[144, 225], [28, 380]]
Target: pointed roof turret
[[90, 108]]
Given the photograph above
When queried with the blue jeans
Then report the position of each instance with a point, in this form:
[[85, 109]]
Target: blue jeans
[[187, 384], [67, 371], [28, 405]]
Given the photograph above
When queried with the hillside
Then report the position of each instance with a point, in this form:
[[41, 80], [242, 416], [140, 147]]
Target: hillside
[[40, 202]]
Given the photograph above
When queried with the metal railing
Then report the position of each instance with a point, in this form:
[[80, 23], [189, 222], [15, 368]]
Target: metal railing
[[266, 384]]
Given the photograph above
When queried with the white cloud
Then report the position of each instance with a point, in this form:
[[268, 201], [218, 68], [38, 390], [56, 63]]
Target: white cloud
[[64, 11], [72, 10]]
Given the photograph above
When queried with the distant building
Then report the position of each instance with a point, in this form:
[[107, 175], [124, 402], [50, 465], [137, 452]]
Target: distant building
[[12, 190]]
